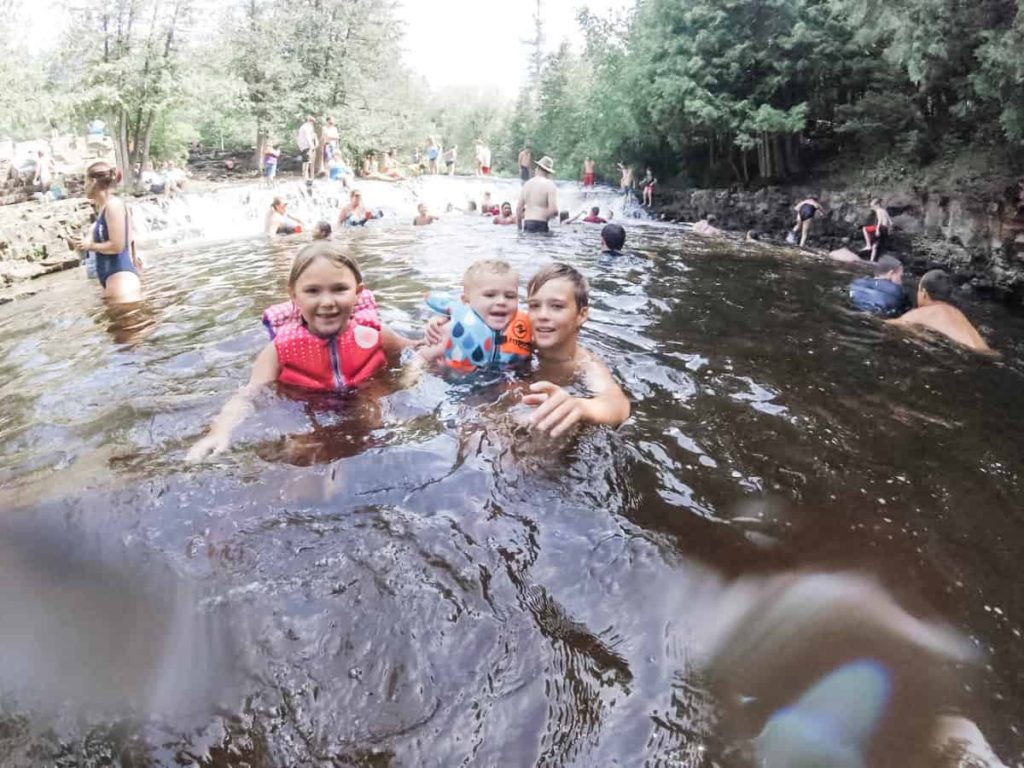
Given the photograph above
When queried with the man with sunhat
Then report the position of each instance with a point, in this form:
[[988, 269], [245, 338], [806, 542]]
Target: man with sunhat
[[538, 199]]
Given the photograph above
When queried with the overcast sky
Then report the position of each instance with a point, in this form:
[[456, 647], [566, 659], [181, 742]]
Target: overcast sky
[[449, 42], [472, 42]]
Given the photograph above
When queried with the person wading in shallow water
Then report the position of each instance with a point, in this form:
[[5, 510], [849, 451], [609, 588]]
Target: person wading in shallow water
[[110, 242], [936, 313], [538, 199]]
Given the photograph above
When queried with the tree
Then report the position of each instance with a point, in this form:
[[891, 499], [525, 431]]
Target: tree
[[125, 58]]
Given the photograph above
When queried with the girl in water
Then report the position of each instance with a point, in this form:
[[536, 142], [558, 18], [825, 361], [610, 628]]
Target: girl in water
[[110, 241], [329, 338]]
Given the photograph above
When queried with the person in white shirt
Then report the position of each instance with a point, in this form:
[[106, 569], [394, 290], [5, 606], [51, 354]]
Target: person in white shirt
[[307, 144]]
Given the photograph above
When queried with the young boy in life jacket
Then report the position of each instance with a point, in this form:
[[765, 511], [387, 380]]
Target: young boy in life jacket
[[328, 338], [487, 328]]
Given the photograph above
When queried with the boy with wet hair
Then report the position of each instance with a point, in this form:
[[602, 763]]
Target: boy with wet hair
[[934, 312], [558, 298], [613, 237]]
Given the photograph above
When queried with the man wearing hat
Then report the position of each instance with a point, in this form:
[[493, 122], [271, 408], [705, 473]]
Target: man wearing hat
[[538, 199]]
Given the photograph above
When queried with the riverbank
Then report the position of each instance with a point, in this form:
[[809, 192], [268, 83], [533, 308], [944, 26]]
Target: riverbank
[[977, 234]]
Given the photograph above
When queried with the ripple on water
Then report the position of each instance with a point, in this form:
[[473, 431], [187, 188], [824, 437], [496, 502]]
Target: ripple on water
[[416, 579]]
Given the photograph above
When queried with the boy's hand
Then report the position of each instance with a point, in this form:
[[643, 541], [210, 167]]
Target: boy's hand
[[557, 411], [214, 443], [434, 333]]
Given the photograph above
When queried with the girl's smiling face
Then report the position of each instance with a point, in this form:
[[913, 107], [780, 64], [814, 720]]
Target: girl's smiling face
[[554, 316], [325, 293]]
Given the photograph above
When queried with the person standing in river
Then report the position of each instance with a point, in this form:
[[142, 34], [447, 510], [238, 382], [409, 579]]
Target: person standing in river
[[329, 137], [588, 172], [307, 142], [110, 242], [876, 236], [538, 199], [525, 158], [626, 180], [934, 312]]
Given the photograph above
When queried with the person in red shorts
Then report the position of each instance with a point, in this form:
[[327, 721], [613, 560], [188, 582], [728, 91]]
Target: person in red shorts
[[588, 172]]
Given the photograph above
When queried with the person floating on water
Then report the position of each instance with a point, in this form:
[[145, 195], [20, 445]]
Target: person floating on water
[[613, 238], [588, 172], [882, 294], [505, 214], [306, 139], [594, 217], [279, 222], [525, 158], [423, 216], [876, 236], [538, 199], [805, 211], [327, 338], [322, 230], [111, 244], [706, 227], [934, 292]]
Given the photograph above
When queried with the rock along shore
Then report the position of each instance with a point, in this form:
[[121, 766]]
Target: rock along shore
[[978, 237]]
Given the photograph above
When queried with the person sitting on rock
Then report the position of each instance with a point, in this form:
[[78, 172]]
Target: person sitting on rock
[[936, 313]]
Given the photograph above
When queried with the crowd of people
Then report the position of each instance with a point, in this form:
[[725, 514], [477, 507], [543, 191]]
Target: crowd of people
[[328, 335]]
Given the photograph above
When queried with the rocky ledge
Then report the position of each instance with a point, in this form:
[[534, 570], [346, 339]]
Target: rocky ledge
[[35, 238], [977, 237]]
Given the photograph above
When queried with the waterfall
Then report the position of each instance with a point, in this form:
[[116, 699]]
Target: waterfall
[[238, 210]]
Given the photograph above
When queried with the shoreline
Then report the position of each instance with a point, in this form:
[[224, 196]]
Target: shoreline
[[976, 236]]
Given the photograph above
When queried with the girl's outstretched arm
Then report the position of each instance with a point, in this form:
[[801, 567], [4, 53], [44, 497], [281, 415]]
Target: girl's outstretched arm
[[264, 371]]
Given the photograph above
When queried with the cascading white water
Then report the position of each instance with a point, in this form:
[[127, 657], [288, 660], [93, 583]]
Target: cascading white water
[[238, 210]]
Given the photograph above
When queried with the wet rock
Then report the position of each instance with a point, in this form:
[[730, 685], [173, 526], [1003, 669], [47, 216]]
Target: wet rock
[[977, 236]]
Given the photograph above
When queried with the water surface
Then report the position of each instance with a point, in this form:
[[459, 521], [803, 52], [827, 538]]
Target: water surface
[[415, 580]]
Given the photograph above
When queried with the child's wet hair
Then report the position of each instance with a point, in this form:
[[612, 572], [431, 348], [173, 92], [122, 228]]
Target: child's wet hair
[[489, 266], [322, 249], [558, 271]]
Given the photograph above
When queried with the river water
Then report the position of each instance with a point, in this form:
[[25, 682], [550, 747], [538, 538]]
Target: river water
[[411, 579]]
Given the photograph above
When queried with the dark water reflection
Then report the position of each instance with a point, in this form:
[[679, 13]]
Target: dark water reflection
[[420, 583]]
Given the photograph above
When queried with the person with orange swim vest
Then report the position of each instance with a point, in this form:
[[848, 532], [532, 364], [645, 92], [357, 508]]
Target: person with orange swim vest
[[487, 328], [328, 337]]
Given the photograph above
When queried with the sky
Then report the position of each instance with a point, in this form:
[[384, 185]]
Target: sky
[[478, 43], [449, 42]]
